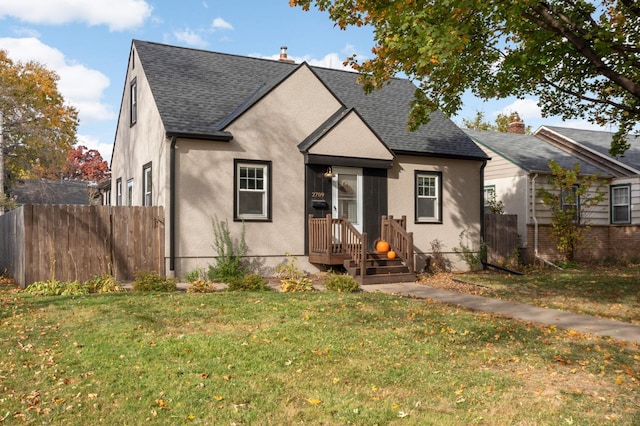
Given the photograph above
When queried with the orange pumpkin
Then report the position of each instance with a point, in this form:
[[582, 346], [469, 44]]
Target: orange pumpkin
[[391, 254], [382, 246]]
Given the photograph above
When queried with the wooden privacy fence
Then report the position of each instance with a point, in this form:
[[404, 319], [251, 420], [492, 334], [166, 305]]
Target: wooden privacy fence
[[501, 236], [65, 242]]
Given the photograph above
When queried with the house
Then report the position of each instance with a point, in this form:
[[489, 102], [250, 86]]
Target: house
[[276, 148], [41, 191], [519, 167]]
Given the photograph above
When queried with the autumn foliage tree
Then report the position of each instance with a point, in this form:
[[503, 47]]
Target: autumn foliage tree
[[38, 128], [501, 123], [86, 164], [581, 58]]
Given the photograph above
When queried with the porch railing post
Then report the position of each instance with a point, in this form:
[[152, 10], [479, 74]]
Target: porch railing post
[[410, 260], [329, 235], [383, 228], [363, 256]]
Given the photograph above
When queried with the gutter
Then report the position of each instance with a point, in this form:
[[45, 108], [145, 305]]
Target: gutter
[[535, 226]]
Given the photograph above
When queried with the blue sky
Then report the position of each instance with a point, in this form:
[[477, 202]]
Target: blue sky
[[87, 43]]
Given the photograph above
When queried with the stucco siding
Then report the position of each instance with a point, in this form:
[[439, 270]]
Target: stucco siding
[[139, 144], [512, 192], [461, 203], [206, 170], [340, 141]]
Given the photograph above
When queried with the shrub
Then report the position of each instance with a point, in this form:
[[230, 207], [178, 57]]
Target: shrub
[[292, 278], [200, 286], [296, 285], [152, 281], [438, 262], [229, 262], [342, 283], [250, 282], [103, 284], [56, 288]]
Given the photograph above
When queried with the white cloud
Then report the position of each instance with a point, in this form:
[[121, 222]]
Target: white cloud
[[527, 109], [80, 86], [118, 15], [330, 60], [26, 32], [221, 24], [190, 38]]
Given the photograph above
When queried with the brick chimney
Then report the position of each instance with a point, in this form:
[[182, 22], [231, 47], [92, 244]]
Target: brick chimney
[[516, 126], [284, 57]]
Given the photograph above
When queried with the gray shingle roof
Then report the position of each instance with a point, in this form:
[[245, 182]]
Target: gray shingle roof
[[34, 191], [528, 152], [198, 91], [601, 142]]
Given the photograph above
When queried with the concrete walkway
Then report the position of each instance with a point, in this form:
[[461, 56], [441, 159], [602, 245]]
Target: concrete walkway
[[561, 319]]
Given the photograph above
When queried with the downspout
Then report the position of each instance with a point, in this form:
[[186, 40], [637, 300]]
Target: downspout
[[172, 205], [483, 260], [535, 226]]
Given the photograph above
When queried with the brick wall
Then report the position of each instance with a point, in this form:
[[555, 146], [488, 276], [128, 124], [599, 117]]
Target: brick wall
[[601, 242]]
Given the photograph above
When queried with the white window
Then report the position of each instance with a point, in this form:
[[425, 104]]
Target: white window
[[130, 192], [621, 204], [252, 190], [428, 197], [134, 102], [489, 197], [119, 192], [146, 185]]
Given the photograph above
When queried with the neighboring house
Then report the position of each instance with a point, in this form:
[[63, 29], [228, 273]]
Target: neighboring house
[[40, 191], [265, 144], [519, 167]]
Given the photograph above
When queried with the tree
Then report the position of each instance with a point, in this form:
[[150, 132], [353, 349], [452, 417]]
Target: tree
[[38, 129], [502, 122], [571, 197], [86, 164], [581, 58]]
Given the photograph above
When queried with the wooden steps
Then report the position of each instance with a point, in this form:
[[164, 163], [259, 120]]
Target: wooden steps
[[379, 269]]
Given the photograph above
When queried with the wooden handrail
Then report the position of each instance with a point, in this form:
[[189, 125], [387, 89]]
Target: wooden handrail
[[394, 231], [355, 245]]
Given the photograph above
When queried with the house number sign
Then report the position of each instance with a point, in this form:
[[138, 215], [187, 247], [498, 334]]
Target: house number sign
[[316, 195]]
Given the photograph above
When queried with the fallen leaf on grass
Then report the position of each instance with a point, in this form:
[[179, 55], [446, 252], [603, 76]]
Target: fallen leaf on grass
[[314, 401]]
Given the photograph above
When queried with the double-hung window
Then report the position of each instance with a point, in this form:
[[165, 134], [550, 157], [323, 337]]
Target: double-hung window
[[620, 204], [119, 192], [428, 193], [252, 190], [571, 202], [147, 185]]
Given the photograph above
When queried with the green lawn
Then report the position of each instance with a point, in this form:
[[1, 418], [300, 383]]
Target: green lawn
[[604, 292], [309, 358]]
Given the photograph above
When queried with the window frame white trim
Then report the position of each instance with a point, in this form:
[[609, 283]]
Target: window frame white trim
[[612, 205], [266, 166], [147, 193], [437, 175], [130, 192]]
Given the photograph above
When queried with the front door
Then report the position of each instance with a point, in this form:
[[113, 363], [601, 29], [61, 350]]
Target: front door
[[347, 195]]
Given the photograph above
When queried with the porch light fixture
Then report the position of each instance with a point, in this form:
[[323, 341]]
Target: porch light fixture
[[329, 173]]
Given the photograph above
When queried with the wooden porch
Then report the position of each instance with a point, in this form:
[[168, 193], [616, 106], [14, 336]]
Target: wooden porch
[[337, 242]]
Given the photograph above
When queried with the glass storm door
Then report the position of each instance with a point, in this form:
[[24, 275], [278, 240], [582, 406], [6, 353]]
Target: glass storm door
[[347, 195]]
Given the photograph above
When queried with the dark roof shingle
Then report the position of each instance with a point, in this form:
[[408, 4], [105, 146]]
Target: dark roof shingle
[[199, 91]]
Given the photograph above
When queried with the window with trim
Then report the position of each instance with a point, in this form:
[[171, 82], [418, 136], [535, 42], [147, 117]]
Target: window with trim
[[130, 192], [134, 102], [428, 193], [620, 204], [119, 192], [146, 185], [252, 190], [489, 197], [570, 201], [106, 198]]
